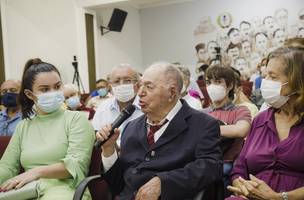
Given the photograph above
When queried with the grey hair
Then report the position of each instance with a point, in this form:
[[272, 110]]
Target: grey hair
[[124, 66], [184, 70], [172, 74]]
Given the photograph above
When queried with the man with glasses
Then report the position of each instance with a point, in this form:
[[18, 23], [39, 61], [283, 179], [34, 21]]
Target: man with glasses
[[11, 113], [123, 81], [170, 152]]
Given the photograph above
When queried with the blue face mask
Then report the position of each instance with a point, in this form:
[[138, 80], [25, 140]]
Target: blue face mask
[[9, 99], [102, 92], [73, 102], [50, 101]]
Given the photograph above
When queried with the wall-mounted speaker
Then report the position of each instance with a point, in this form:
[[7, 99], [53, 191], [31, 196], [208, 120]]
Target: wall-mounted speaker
[[117, 20]]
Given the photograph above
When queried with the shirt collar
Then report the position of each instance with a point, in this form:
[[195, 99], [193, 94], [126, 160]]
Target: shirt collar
[[4, 114], [268, 120], [171, 114]]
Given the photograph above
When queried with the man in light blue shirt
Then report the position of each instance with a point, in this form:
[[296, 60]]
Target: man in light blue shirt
[[123, 81], [11, 114]]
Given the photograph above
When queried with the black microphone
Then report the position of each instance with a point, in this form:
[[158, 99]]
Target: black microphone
[[125, 114]]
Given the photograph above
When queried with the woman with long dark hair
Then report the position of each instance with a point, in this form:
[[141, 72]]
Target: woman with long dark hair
[[51, 144]]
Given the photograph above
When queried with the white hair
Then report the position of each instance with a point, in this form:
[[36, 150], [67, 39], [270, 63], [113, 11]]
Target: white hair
[[171, 72]]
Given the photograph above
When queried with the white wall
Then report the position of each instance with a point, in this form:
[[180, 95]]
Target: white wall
[[167, 31], [115, 47], [54, 30], [47, 29]]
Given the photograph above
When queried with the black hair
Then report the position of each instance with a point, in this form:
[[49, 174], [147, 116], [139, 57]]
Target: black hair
[[220, 72], [101, 80], [31, 69]]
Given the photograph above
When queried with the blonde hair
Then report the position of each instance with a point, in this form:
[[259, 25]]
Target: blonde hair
[[293, 57]]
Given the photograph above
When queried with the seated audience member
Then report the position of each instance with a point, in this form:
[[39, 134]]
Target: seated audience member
[[240, 99], [10, 116], [103, 93], [235, 119], [202, 85], [256, 96], [100, 83], [170, 152], [51, 144], [192, 101], [72, 100], [270, 164], [123, 80]]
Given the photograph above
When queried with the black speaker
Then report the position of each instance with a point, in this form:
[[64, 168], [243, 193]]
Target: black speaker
[[117, 20]]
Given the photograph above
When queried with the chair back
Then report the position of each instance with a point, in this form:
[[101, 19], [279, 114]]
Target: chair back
[[98, 188], [4, 140]]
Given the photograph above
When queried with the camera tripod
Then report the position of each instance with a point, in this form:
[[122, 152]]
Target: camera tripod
[[76, 77]]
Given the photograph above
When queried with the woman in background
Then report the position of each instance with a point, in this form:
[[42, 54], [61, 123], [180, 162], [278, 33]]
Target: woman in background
[[270, 164]]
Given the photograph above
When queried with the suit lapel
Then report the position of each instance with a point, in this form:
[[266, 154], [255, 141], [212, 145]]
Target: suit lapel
[[176, 126], [142, 132]]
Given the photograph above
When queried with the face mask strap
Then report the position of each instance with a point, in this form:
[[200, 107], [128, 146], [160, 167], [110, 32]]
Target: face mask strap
[[283, 84]]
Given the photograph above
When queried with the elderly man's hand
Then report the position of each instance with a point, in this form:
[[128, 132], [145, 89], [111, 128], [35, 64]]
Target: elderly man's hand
[[108, 147], [150, 191]]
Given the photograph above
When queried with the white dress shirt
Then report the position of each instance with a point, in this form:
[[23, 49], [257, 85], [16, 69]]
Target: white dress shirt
[[109, 110], [108, 162], [193, 102]]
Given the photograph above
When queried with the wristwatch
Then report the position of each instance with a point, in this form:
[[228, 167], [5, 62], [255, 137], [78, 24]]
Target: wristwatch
[[284, 195]]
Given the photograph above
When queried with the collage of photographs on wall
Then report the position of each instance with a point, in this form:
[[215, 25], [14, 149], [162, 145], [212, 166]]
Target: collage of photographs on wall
[[244, 46]]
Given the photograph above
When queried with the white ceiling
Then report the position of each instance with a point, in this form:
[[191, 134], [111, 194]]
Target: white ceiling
[[139, 4], [153, 3]]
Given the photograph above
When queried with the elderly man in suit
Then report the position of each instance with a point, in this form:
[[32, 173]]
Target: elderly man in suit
[[170, 152]]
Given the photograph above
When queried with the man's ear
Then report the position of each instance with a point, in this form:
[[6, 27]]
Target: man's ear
[[172, 93], [29, 94]]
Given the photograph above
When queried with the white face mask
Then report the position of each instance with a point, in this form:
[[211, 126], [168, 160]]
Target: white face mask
[[216, 92], [73, 102], [271, 92], [124, 93], [50, 101]]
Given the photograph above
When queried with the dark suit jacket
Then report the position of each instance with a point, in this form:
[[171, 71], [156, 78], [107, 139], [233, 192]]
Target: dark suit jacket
[[186, 158]]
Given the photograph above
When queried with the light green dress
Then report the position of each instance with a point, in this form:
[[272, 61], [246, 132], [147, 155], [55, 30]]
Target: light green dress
[[62, 136]]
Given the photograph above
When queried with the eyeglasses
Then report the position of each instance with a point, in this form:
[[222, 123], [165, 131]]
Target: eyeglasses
[[123, 81], [12, 90]]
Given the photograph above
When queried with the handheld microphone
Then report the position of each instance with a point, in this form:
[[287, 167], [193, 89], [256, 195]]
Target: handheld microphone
[[125, 114]]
